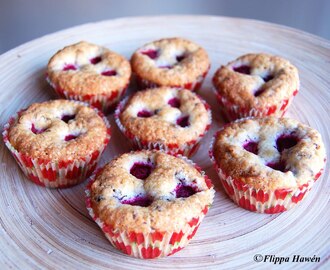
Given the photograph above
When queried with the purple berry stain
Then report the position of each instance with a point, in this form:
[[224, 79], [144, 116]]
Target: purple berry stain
[[243, 69], [183, 121], [251, 147], [36, 130], [144, 114], [174, 102], [67, 117], [138, 201], [286, 142], [141, 170]]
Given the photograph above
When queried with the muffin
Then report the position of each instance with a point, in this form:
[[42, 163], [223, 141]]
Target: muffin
[[172, 62], [149, 204], [256, 85], [268, 165], [90, 73], [169, 119], [57, 143]]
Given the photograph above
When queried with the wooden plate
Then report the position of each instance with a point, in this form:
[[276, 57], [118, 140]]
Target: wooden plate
[[43, 228]]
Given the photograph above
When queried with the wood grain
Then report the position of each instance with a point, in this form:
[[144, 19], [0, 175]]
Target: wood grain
[[50, 229]]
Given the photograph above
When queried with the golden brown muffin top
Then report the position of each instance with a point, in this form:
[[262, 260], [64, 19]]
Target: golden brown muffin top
[[269, 153], [88, 69], [257, 80], [165, 115], [170, 62], [58, 130], [147, 191]]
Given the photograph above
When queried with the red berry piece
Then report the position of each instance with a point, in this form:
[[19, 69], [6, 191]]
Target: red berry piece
[[96, 60], [259, 92], [183, 191], [67, 117], [268, 78], [109, 73], [179, 58], [138, 201], [70, 137], [183, 121], [243, 69], [174, 102], [286, 142], [251, 147], [36, 130], [144, 114], [153, 54], [69, 67], [141, 170], [278, 166]]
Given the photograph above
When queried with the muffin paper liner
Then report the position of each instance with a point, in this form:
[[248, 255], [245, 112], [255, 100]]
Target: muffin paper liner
[[149, 245], [187, 149], [104, 102], [259, 200], [55, 174], [234, 112], [193, 86]]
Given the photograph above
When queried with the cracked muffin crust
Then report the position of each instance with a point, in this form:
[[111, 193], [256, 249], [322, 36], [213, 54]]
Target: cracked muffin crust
[[173, 62], [57, 142], [171, 119], [150, 198], [256, 85], [91, 73], [268, 162]]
